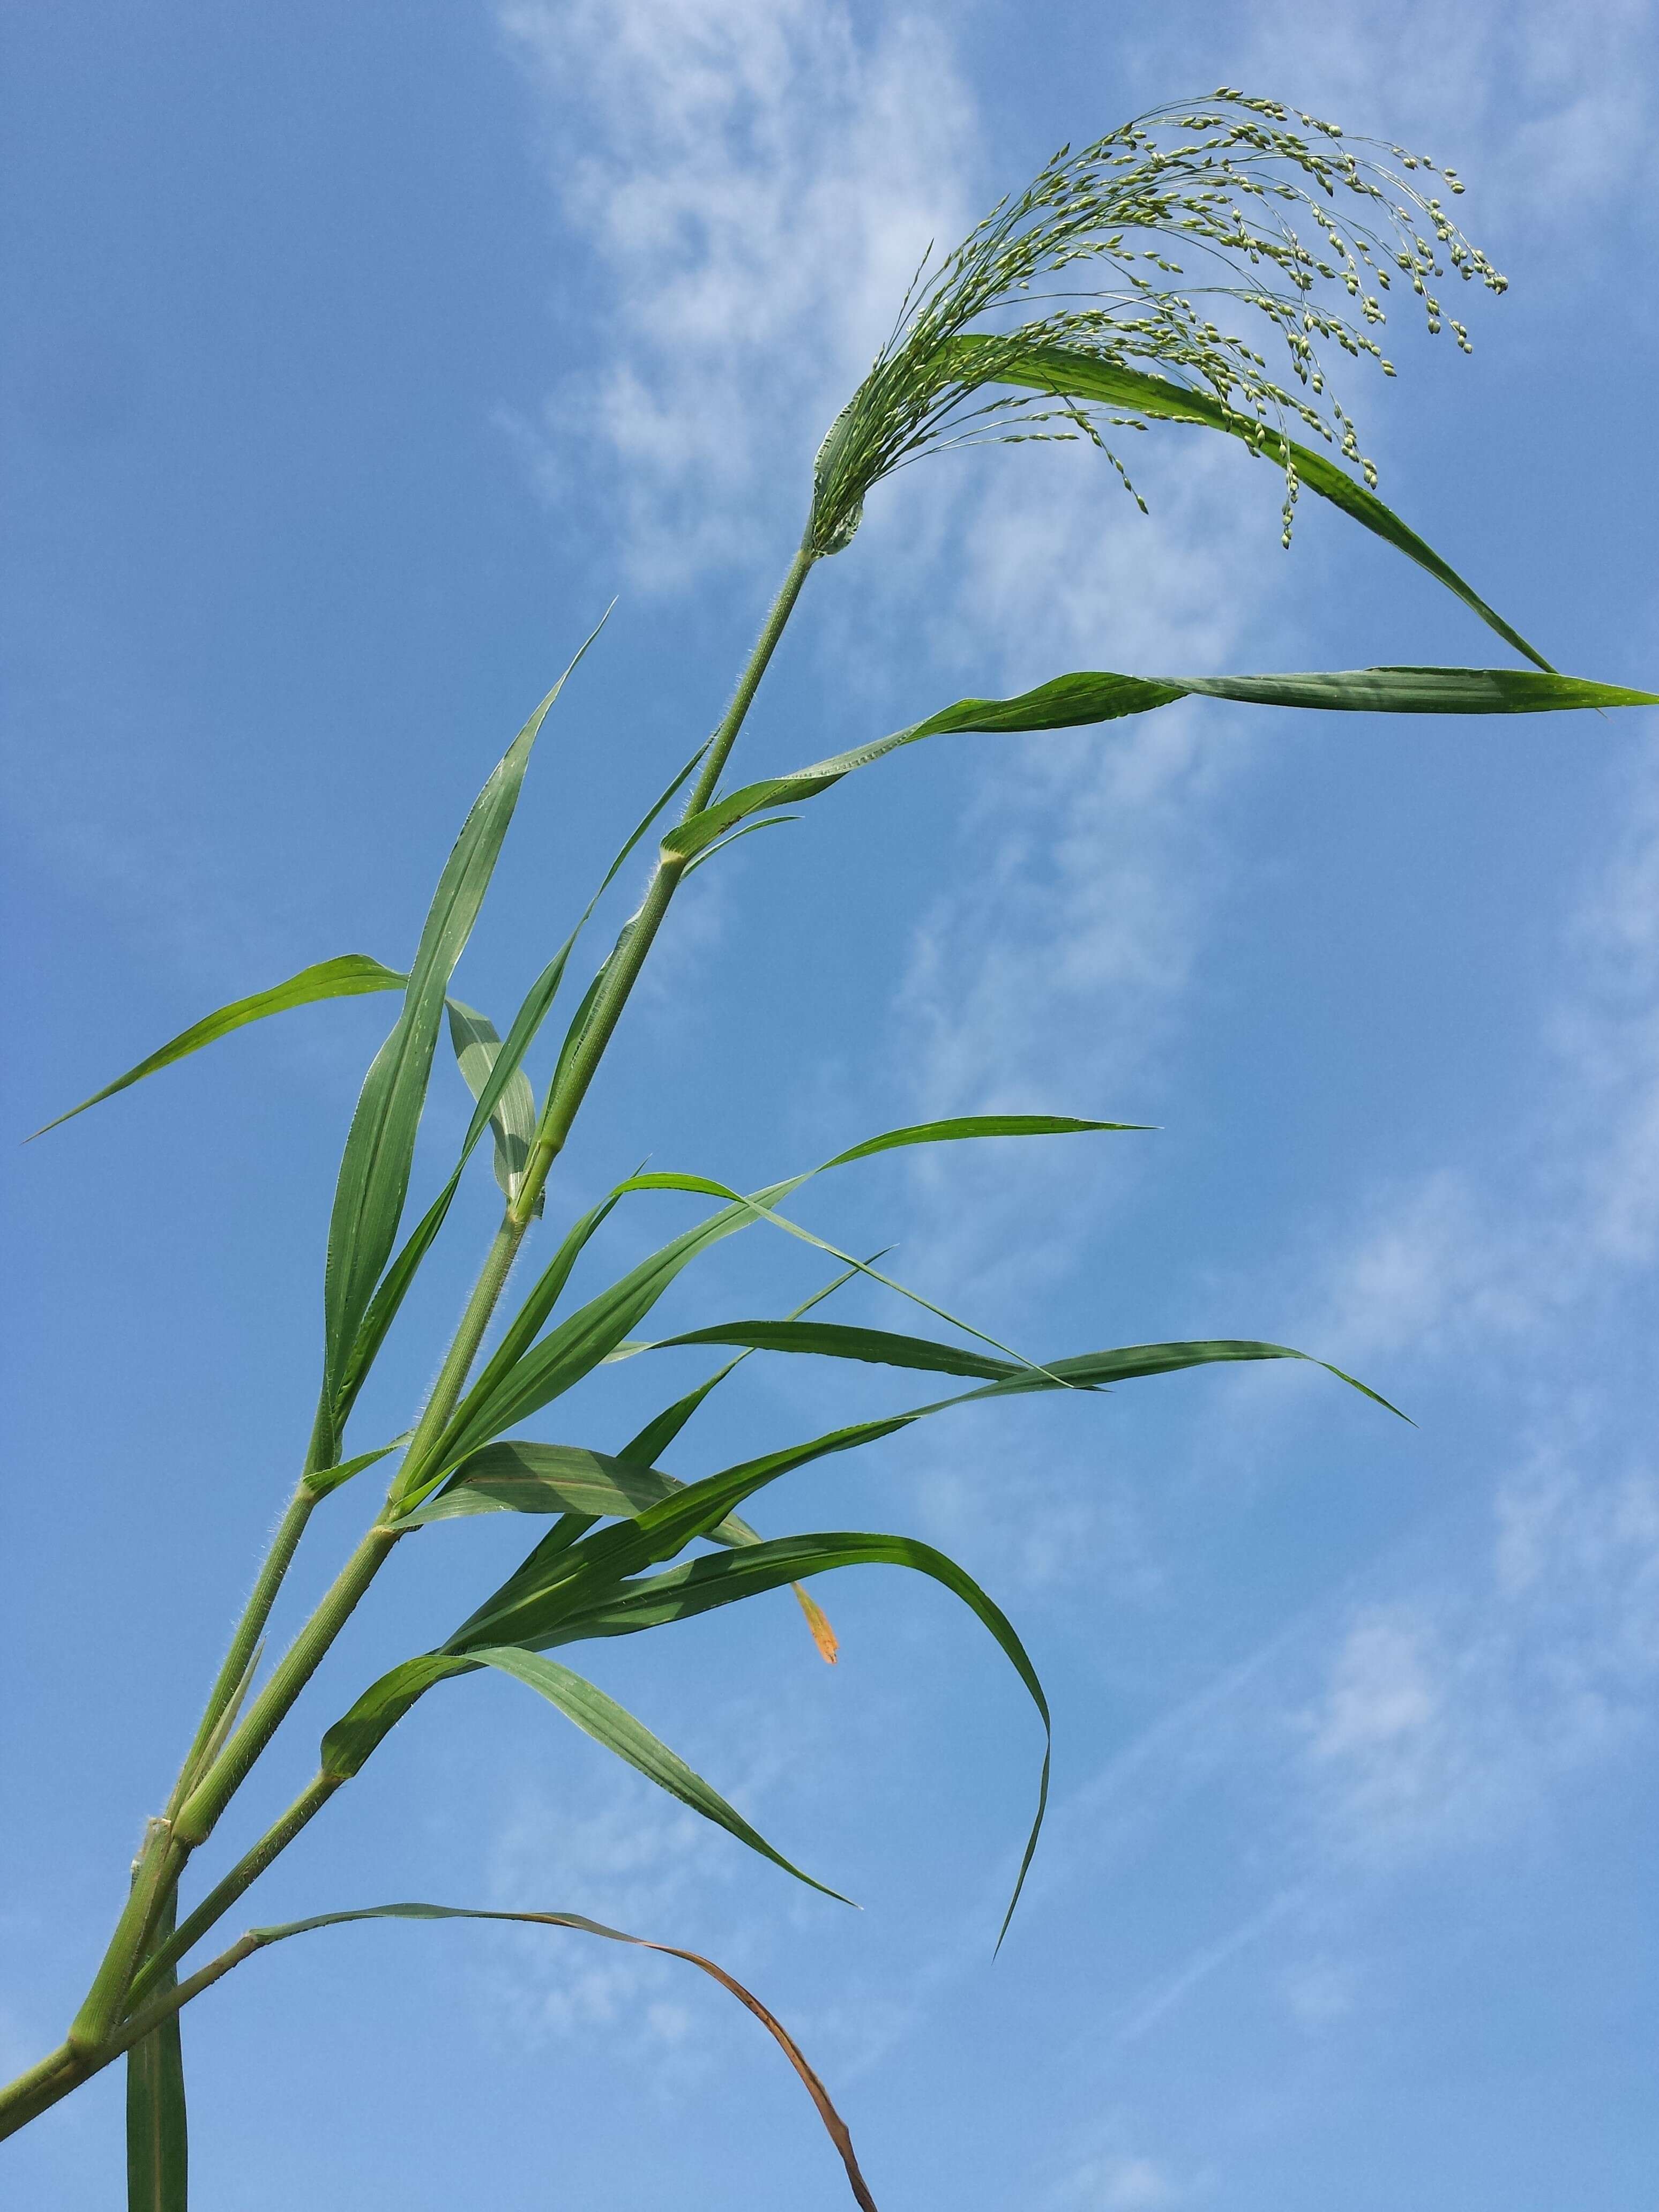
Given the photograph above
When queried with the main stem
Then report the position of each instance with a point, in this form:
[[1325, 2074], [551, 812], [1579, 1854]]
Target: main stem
[[197, 1800], [214, 1792]]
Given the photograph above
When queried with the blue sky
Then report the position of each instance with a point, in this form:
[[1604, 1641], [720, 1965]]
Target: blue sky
[[359, 357]]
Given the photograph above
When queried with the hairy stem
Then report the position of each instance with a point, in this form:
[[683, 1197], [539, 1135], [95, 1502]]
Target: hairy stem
[[65, 2068], [246, 1872], [155, 1871], [32, 2091], [244, 1641], [458, 1360], [201, 1809], [209, 1798]]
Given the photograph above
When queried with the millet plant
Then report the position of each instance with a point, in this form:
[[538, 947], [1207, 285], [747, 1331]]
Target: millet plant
[[1063, 315]]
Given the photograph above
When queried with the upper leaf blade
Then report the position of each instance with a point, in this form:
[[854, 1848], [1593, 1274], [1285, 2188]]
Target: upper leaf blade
[[613, 1726], [526, 1375], [880, 1348], [726, 1578], [1066, 372], [512, 1110], [1091, 695], [373, 1178], [349, 976], [522, 1477]]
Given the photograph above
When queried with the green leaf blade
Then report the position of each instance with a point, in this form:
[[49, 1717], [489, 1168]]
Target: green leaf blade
[[373, 1178], [611, 1724], [704, 1584], [523, 1477], [157, 2118], [350, 976], [511, 1110], [877, 1347], [1066, 372]]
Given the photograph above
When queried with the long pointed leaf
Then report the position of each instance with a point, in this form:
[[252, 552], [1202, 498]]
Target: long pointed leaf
[[533, 1605], [1103, 695], [559, 1581], [394, 1284], [707, 1187], [158, 2128], [348, 1745], [1066, 373], [513, 1387], [611, 1725], [531, 1478], [834, 2125], [349, 976], [512, 1116], [881, 1347], [659, 1432], [374, 1178], [727, 1578], [523, 1376]]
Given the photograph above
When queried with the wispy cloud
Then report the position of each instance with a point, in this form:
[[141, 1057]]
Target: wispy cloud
[[1549, 113], [1450, 1713], [1480, 1255], [757, 182]]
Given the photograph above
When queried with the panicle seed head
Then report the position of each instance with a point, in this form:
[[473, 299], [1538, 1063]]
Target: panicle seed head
[[1245, 198]]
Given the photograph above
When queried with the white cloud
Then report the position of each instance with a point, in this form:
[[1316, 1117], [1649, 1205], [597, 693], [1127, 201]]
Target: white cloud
[[626, 1858], [1546, 112], [757, 183], [1449, 1714], [1117, 2183], [1565, 1209]]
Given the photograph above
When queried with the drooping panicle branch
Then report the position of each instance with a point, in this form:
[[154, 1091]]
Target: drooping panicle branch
[[1301, 230]]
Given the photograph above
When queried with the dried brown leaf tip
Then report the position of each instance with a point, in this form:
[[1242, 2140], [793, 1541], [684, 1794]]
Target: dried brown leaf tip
[[818, 1621]]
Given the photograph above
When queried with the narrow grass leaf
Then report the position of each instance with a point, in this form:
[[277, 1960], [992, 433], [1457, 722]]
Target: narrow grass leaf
[[611, 1725], [1098, 1370], [322, 1480], [513, 1115], [727, 1578], [524, 1377], [349, 976], [394, 1284], [534, 1605], [962, 1128], [707, 1187], [833, 1340], [383, 1307], [348, 1745], [350, 1741], [522, 1477], [559, 1582], [834, 2124], [374, 1178], [659, 1433], [748, 829], [1065, 373], [654, 1438], [505, 1391], [158, 2129], [1093, 696]]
